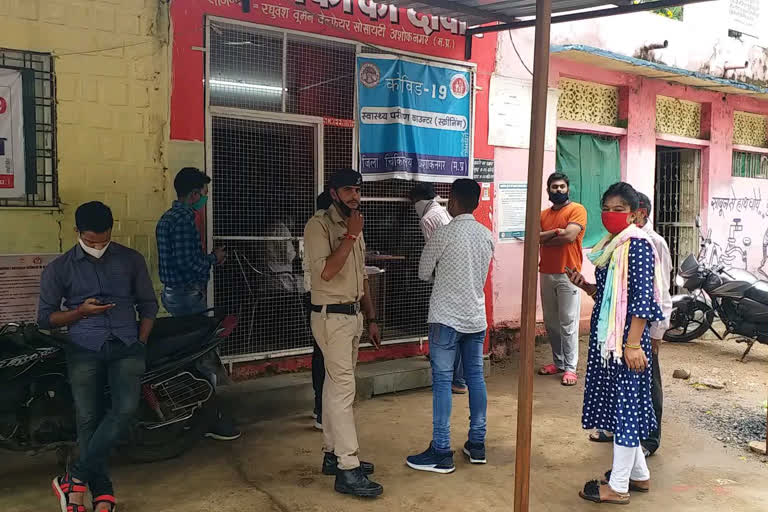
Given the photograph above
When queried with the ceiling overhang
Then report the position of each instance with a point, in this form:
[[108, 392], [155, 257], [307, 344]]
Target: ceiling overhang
[[622, 63]]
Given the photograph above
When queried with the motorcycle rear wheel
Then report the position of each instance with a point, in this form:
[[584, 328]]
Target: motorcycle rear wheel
[[169, 442], [695, 325]]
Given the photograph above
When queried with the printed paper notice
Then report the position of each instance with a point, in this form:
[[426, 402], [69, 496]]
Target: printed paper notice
[[509, 105], [511, 204], [20, 286]]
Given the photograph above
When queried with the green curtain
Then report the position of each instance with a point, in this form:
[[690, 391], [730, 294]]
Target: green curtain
[[592, 165]]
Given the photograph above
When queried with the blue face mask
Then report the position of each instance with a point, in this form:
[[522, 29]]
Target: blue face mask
[[200, 203]]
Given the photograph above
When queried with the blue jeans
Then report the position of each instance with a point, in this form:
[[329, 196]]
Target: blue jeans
[[458, 372], [185, 300], [444, 343], [102, 421]]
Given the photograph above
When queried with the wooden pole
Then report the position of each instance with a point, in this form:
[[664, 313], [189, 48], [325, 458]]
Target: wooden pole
[[531, 254]]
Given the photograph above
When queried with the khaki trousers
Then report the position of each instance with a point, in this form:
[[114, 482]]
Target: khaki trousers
[[338, 336]]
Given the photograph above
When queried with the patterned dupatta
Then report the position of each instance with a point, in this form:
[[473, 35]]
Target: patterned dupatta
[[613, 252]]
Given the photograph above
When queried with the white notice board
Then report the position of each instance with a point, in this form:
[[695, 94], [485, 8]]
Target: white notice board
[[20, 286], [511, 207], [509, 106]]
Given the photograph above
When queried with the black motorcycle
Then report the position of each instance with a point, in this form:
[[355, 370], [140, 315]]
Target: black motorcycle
[[735, 296], [36, 407]]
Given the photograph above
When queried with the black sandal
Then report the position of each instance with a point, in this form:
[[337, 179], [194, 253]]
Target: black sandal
[[632, 483], [602, 437], [591, 493], [63, 486], [105, 498]]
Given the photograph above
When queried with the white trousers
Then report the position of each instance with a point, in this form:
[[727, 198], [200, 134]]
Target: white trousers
[[628, 464]]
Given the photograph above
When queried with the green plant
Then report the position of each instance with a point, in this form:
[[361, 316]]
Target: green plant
[[674, 13]]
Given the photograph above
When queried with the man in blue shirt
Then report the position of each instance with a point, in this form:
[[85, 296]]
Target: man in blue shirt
[[102, 285], [185, 268]]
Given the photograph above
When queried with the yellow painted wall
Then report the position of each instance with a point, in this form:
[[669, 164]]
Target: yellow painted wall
[[112, 84]]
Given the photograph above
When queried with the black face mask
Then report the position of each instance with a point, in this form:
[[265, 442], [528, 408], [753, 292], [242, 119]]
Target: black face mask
[[345, 210], [558, 197]]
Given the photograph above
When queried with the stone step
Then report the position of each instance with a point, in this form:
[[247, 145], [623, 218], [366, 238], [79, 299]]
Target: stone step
[[291, 393]]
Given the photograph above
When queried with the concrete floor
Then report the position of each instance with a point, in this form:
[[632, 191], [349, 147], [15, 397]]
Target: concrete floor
[[275, 466]]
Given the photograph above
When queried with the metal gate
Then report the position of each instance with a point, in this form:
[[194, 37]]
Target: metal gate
[[677, 201], [258, 76], [264, 174]]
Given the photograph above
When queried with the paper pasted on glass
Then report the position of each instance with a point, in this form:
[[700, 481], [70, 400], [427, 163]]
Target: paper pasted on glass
[[414, 119], [12, 165]]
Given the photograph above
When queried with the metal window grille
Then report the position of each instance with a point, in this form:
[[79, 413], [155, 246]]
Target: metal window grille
[[45, 193], [263, 170], [677, 200], [749, 165]]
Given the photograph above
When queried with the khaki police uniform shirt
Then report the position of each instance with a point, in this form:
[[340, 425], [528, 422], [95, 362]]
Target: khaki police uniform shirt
[[323, 234]]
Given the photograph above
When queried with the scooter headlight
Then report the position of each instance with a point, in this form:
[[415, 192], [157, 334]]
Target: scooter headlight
[[679, 280]]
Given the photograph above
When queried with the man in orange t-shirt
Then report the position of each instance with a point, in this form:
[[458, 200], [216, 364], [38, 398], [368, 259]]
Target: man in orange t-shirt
[[562, 230]]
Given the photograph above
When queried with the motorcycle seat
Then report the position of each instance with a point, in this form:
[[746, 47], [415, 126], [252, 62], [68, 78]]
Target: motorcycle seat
[[758, 292], [176, 335]]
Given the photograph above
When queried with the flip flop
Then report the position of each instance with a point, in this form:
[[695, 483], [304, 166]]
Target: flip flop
[[591, 493], [602, 437], [572, 379], [550, 369]]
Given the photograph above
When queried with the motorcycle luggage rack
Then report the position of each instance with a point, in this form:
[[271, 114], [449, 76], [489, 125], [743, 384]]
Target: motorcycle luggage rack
[[183, 393]]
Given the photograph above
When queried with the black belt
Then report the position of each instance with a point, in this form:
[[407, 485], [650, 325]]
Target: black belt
[[339, 309]]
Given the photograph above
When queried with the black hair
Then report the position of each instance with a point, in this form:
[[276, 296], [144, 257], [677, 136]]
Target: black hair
[[324, 201], [645, 202], [626, 192], [94, 216], [422, 191], [466, 193], [188, 180], [558, 176]]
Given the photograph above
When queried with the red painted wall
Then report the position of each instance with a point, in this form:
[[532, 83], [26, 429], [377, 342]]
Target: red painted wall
[[188, 28]]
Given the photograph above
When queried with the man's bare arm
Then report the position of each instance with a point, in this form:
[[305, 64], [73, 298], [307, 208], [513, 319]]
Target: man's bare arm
[[566, 236]]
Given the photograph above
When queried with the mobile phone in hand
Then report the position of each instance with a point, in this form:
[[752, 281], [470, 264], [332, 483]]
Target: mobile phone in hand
[[568, 270]]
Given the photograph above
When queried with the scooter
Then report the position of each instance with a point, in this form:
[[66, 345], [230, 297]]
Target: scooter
[[735, 296], [37, 410]]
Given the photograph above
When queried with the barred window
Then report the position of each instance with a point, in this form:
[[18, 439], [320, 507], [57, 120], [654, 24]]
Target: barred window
[[749, 165], [41, 190]]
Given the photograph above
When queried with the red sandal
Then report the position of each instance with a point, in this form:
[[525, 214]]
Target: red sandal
[[550, 369], [63, 486], [570, 379], [105, 498]]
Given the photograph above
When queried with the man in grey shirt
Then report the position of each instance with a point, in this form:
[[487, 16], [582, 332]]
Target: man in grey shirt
[[457, 257], [102, 286]]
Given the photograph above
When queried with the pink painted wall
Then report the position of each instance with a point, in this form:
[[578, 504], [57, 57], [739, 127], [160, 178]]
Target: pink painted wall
[[637, 105]]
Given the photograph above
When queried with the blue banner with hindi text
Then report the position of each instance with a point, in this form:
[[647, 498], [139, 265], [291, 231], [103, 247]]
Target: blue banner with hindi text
[[414, 119]]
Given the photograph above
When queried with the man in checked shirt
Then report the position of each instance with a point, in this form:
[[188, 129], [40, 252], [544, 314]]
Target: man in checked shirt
[[185, 268]]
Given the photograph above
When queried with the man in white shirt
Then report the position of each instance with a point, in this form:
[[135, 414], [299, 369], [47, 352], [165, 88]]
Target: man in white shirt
[[457, 257], [433, 215], [658, 329]]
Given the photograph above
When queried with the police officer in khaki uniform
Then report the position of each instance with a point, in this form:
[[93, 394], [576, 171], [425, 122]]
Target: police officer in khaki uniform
[[340, 298]]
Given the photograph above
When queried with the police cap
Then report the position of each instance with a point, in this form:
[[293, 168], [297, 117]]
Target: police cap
[[345, 178]]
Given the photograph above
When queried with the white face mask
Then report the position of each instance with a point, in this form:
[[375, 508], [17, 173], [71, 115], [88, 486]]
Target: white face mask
[[421, 206], [96, 253]]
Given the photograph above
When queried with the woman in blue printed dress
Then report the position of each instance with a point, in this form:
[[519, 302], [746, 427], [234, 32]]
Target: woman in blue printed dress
[[617, 394]]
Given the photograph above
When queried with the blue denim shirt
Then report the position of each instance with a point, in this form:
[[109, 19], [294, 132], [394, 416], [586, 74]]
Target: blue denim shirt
[[120, 276]]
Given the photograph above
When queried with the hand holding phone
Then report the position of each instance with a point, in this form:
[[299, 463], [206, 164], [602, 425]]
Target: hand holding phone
[[93, 307]]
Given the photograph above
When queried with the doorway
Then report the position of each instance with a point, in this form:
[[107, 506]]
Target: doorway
[[265, 174], [677, 201]]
